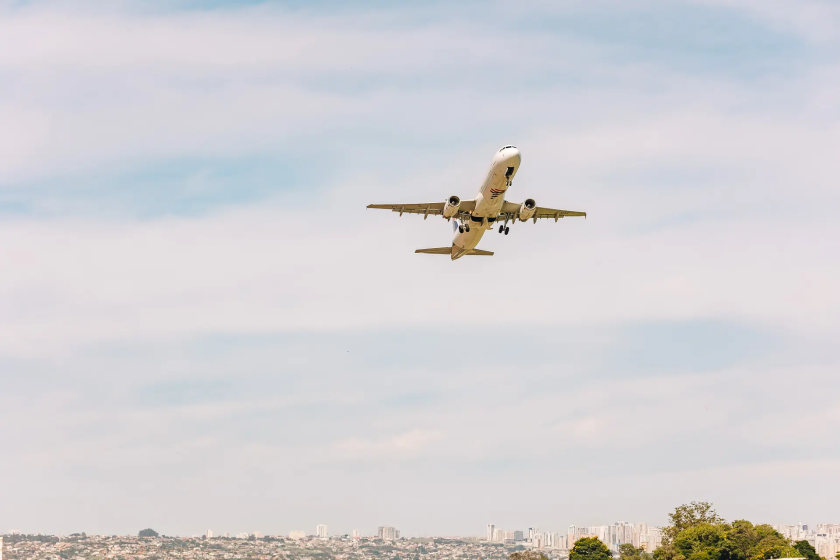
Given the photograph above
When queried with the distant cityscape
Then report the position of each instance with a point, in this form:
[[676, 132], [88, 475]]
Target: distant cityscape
[[387, 544]]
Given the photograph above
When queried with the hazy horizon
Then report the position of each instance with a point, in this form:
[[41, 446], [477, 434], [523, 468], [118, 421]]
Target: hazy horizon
[[201, 327]]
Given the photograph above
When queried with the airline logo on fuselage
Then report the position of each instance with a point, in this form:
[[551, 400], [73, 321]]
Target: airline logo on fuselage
[[495, 193]]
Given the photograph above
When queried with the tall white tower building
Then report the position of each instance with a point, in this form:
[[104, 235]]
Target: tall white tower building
[[490, 529], [321, 532]]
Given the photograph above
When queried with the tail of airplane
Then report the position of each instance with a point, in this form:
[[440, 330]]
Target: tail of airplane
[[448, 251]]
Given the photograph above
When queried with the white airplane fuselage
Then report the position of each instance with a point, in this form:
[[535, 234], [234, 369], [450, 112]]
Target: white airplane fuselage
[[488, 203]]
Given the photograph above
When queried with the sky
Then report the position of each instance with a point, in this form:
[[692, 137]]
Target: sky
[[202, 327]]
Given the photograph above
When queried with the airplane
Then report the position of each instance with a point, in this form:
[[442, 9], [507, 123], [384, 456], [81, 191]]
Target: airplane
[[474, 217]]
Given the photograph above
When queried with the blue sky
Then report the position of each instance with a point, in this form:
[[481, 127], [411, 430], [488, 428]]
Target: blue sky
[[202, 327]]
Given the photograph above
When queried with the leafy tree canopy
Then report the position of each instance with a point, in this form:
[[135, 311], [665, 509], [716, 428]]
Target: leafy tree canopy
[[807, 550], [147, 533], [590, 548], [691, 515], [630, 552], [698, 533]]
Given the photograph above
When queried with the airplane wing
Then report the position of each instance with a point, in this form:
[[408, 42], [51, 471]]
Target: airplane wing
[[428, 209], [511, 211]]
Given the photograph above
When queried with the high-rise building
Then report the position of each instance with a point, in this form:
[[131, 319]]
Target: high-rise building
[[518, 536], [297, 535], [387, 533], [321, 532], [490, 529], [498, 535], [654, 539], [209, 534], [356, 534], [549, 540], [257, 535]]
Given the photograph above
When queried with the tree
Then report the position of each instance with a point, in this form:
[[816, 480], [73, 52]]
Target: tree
[[630, 552], [691, 515], [528, 555], [807, 550], [148, 533], [590, 548]]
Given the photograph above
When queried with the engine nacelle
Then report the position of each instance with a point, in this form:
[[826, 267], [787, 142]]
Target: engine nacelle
[[526, 211], [450, 210]]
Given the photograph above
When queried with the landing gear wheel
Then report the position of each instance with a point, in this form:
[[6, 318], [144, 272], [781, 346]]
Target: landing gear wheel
[[460, 229], [467, 227], [507, 230], [501, 229]]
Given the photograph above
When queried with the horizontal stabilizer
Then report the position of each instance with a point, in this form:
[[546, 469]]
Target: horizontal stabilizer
[[436, 251], [448, 251]]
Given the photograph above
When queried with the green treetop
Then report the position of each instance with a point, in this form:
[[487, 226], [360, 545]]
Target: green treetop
[[807, 550], [590, 548], [698, 533]]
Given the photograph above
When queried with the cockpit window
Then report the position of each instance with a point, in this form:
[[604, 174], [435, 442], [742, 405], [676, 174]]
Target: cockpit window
[[506, 147]]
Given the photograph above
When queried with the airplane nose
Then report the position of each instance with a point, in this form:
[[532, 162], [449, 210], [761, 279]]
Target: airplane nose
[[509, 155]]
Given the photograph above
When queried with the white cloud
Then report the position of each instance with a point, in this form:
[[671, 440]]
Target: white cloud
[[814, 20], [409, 443]]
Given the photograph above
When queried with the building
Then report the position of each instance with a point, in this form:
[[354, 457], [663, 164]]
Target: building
[[518, 536], [321, 532], [209, 534], [356, 534], [297, 535], [490, 529], [387, 533], [654, 539]]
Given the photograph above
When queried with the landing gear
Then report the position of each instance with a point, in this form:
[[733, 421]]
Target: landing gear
[[507, 230], [467, 227], [501, 229], [461, 229]]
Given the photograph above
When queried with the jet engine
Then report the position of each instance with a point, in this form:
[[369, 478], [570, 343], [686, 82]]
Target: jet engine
[[526, 211], [450, 210]]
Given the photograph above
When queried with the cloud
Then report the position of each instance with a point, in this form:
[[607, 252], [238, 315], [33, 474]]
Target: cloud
[[407, 444]]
